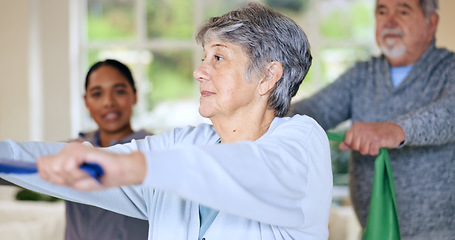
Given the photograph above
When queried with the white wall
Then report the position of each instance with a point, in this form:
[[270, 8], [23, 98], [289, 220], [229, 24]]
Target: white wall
[[56, 73], [445, 35], [14, 107], [34, 47]]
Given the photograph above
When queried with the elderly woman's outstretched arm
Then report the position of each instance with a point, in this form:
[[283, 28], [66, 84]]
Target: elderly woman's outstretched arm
[[128, 200], [284, 178]]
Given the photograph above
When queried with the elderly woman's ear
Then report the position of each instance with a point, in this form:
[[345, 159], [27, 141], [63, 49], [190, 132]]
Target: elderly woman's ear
[[273, 74]]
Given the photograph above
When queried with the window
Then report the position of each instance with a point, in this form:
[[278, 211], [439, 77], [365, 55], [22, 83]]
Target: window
[[155, 39]]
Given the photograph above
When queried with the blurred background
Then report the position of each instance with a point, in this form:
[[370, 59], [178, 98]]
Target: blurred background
[[47, 47]]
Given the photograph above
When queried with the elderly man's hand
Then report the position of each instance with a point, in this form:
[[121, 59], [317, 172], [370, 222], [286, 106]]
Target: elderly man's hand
[[368, 138], [63, 168]]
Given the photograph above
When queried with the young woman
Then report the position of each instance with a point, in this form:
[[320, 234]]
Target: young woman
[[110, 95]]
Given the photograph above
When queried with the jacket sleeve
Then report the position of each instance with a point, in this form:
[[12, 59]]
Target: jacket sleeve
[[127, 200], [331, 105], [284, 178], [433, 124]]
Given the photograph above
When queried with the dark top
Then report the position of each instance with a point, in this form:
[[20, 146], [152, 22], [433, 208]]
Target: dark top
[[84, 222]]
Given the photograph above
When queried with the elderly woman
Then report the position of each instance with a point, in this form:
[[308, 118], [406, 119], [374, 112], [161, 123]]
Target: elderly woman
[[251, 175]]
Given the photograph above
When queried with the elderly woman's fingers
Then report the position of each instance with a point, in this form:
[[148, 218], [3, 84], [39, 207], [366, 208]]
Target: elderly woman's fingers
[[47, 170], [63, 168], [119, 169]]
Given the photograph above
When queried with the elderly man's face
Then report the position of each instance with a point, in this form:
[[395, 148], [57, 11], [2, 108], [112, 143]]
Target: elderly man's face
[[402, 31], [225, 91]]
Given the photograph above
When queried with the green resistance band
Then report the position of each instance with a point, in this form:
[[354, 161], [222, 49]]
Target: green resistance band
[[382, 222]]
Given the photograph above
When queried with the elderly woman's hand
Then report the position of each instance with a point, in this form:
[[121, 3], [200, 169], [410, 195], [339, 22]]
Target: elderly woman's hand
[[119, 169]]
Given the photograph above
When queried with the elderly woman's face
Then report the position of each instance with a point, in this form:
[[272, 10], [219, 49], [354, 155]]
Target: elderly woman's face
[[224, 88]]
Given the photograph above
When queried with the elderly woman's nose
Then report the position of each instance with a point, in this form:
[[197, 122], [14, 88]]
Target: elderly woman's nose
[[200, 73]]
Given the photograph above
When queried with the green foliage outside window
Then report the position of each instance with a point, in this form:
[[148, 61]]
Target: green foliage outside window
[[170, 19], [218, 7], [171, 77], [110, 21], [350, 22]]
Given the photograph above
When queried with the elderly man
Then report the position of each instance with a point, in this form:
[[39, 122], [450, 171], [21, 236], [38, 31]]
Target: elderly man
[[403, 100]]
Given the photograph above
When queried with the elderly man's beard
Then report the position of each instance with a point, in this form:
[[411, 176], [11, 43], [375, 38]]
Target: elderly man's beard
[[392, 47]]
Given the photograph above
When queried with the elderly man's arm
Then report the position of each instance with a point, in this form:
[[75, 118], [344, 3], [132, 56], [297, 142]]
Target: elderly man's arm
[[433, 124], [331, 105]]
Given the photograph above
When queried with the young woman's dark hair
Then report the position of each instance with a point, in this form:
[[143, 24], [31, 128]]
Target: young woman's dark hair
[[122, 68]]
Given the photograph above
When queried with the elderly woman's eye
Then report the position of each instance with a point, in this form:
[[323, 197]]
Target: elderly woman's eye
[[218, 58]]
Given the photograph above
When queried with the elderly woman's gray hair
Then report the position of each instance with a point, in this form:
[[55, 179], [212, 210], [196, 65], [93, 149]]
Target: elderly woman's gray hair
[[265, 35]]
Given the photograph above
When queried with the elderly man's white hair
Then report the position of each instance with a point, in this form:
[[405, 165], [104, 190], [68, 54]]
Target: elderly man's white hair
[[429, 7]]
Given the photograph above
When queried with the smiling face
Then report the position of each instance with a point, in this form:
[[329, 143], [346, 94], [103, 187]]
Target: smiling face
[[110, 99], [225, 90], [402, 31]]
